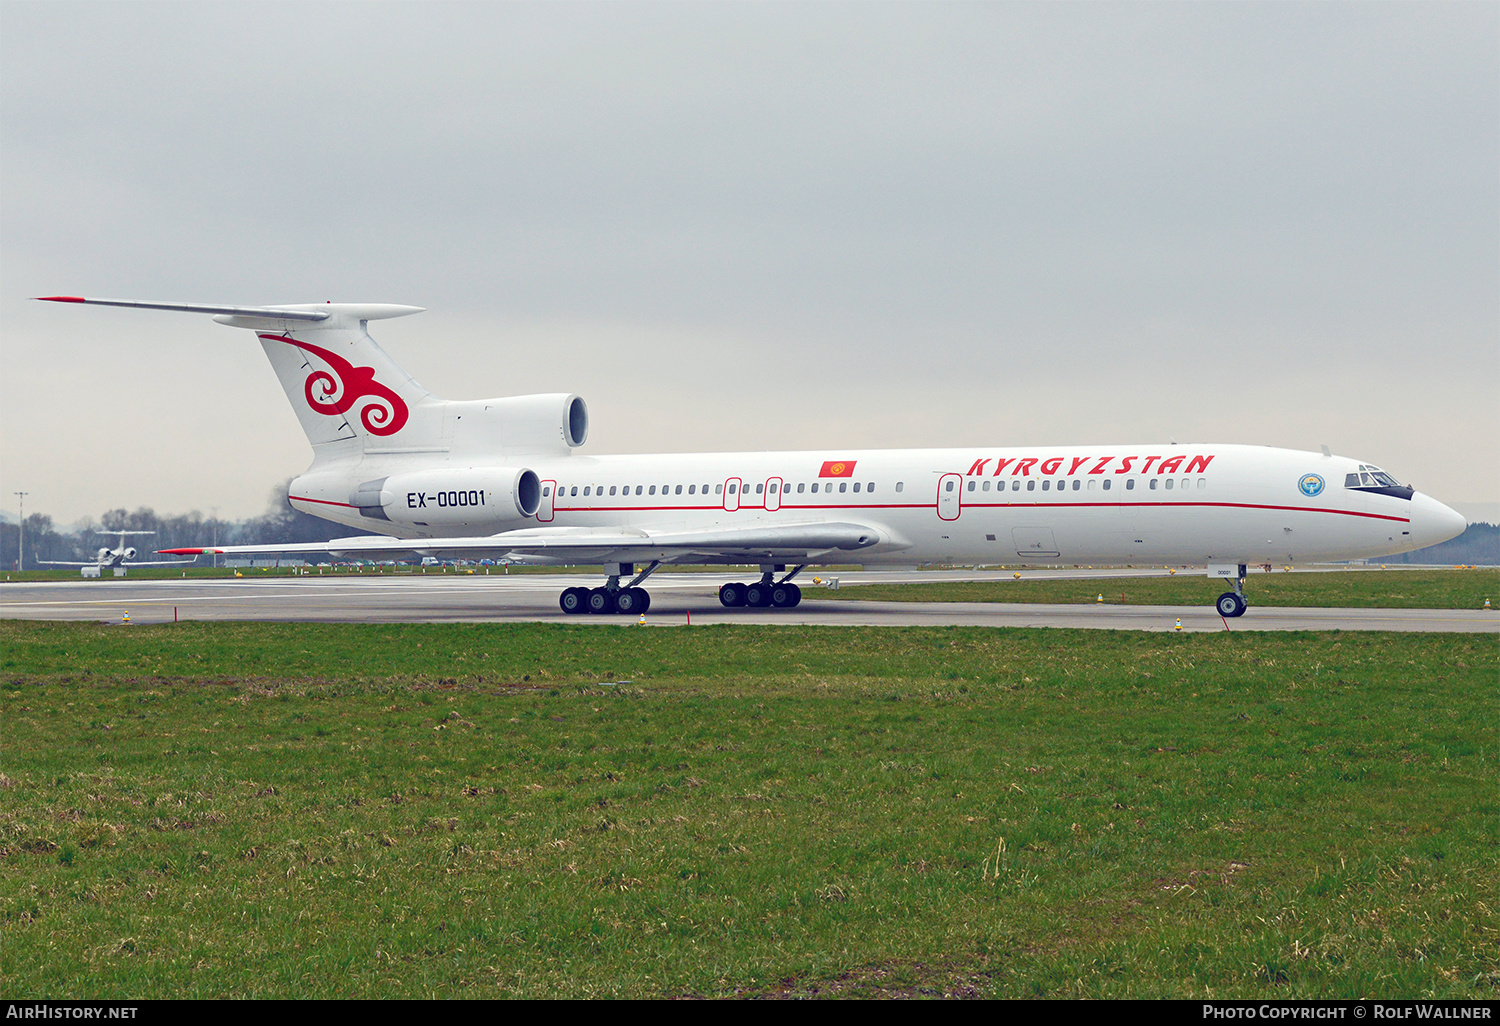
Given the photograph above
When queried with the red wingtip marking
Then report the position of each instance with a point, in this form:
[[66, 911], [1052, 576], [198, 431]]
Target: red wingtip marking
[[62, 299], [185, 552]]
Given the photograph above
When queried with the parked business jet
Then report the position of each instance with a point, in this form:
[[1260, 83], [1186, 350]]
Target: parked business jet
[[118, 559], [502, 478]]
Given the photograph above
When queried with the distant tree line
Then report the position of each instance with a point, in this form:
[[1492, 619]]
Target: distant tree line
[[1479, 545], [280, 525]]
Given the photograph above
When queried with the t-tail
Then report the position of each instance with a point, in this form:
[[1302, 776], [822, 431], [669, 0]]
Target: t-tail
[[347, 393]]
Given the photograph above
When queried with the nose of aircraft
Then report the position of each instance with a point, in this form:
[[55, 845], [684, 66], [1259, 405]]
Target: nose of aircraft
[[1432, 522]]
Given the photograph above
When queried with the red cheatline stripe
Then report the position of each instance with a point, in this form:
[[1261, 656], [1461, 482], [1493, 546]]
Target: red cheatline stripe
[[1162, 505], [982, 505], [326, 502]]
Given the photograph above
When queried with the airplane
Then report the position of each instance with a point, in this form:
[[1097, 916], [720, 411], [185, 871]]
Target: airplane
[[118, 559], [503, 478]]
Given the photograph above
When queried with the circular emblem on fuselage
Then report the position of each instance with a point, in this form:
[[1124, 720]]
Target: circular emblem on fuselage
[[1310, 485]]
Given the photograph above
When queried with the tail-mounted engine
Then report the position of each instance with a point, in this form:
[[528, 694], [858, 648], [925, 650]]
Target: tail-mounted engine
[[517, 426], [474, 498]]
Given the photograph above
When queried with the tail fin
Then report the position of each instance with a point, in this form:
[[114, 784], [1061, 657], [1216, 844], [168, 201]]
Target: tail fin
[[345, 389], [347, 393]]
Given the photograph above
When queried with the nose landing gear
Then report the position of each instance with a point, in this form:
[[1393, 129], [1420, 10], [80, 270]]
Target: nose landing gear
[[1232, 603]]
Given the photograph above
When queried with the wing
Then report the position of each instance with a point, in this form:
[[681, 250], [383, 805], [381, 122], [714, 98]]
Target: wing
[[809, 542], [128, 566]]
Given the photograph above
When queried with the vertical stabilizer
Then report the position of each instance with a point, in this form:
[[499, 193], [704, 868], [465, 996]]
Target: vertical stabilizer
[[346, 390]]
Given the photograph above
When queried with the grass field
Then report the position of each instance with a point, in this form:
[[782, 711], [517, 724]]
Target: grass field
[[284, 810], [1357, 589]]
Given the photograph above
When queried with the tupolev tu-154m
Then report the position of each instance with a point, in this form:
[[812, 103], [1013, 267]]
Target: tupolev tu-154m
[[503, 478]]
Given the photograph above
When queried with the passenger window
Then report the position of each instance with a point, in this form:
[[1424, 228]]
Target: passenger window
[[732, 489], [1169, 484], [971, 485], [900, 485], [637, 489], [986, 487], [800, 487], [1031, 485], [949, 488], [1075, 485], [1092, 482], [844, 485], [652, 491], [869, 486], [1129, 484], [575, 491], [1046, 484], [679, 490], [1202, 483], [692, 489], [546, 492], [1153, 484], [585, 489], [759, 489], [856, 486], [1015, 486], [1106, 484]]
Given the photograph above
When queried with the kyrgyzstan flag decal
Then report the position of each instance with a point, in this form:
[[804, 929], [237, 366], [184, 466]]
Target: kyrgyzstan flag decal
[[837, 468]]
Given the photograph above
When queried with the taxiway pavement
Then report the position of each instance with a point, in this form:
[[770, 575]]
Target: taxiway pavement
[[675, 599]]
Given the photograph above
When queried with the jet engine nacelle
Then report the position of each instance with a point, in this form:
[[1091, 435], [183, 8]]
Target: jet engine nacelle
[[129, 553], [474, 498], [102, 555], [516, 427]]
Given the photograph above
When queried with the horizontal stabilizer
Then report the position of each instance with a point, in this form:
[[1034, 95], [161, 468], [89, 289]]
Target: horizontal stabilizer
[[255, 316]]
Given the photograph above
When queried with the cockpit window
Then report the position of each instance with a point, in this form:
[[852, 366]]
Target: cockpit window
[[1373, 479]]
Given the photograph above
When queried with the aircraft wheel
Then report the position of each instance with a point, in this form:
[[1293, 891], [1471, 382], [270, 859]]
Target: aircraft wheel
[[758, 596], [785, 596], [574, 600], [1230, 604], [601, 600], [732, 595], [632, 601]]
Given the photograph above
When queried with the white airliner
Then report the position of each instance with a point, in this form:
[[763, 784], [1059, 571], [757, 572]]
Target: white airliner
[[119, 559], [502, 478]]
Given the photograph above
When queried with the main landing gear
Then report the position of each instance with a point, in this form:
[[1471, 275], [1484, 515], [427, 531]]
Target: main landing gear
[[630, 600], [1232, 603], [767, 591]]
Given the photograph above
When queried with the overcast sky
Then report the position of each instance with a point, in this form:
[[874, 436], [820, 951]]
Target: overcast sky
[[757, 226]]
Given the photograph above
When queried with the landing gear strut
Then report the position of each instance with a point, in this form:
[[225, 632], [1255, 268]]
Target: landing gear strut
[[767, 591], [629, 600], [1232, 603]]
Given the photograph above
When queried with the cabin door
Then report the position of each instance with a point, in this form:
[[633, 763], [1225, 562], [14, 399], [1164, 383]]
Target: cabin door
[[950, 496]]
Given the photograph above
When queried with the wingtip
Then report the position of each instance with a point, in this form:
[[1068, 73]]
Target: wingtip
[[60, 299]]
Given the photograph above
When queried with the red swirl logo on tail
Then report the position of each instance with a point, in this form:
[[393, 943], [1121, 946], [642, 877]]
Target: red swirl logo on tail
[[335, 394]]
